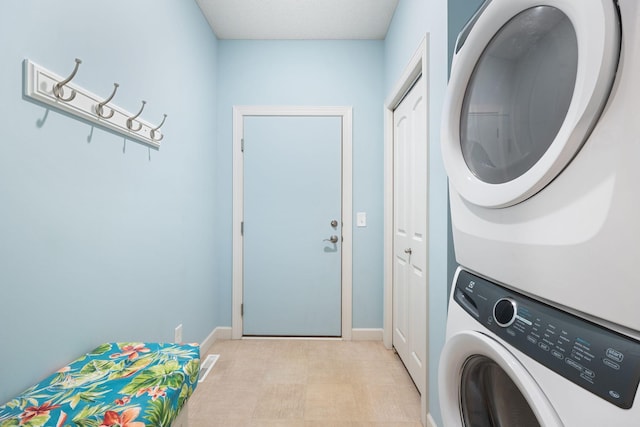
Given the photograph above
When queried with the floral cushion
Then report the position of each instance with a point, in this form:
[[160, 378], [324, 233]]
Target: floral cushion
[[115, 385]]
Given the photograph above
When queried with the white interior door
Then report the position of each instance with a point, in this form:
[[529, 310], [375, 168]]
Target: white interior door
[[410, 233], [292, 226]]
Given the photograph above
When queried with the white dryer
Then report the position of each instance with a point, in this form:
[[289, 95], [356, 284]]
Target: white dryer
[[510, 360], [541, 142]]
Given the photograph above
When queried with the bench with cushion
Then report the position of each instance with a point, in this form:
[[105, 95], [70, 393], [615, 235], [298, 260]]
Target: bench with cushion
[[115, 385]]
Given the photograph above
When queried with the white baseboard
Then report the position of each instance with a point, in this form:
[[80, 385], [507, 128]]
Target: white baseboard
[[366, 334], [224, 333], [430, 421], [219, 333]]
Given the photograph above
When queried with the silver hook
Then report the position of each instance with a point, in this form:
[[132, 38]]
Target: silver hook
[[154, 130], [131, 119], [100, 106], [58, 90]]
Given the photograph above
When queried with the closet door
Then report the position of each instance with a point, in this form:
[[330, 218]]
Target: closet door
[[410, 233]]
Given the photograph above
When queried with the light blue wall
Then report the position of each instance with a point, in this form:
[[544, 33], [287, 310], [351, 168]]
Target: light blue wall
[[412, 19], [329, 73], [104, 239]]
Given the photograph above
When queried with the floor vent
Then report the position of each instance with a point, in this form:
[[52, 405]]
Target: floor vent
[[207, 365]]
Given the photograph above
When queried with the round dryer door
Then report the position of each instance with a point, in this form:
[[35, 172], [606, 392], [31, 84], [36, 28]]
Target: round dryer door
[[483, 385], [528, 82]]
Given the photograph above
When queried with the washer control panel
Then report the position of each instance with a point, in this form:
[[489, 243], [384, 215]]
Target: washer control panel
[[597, 359]]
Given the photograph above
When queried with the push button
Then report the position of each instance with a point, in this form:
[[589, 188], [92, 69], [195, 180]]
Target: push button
[[615, 355], [611, 364]]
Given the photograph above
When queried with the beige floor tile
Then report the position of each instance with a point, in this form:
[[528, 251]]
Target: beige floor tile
[[275, 423], [280, 402], [239, 371], [330, 371], [382, 403], [396, 424], [291, 349], [331, 402], [327, 349], [329, 423], [305, 383], [286, 371], [373, 372], [256, 350], [369, 350], [202, 422]]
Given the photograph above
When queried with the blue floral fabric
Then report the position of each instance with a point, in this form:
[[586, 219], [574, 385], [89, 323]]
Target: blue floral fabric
[[115, 385]]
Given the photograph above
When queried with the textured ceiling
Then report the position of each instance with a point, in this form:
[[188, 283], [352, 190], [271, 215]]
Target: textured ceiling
[[299, 19]]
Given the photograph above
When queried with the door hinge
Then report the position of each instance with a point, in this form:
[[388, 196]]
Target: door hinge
[[241, 309], [242, 145], [242, 228]]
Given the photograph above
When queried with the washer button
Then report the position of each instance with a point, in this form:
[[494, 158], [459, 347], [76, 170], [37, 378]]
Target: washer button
[[615, 355]]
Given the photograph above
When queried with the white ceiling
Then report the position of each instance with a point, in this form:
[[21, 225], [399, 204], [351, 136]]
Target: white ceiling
[[299, 19]]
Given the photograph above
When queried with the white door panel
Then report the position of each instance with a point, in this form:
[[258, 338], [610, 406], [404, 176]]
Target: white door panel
[[410, 233], [292, 192]]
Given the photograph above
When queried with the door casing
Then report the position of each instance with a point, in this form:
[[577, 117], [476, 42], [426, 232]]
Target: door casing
[[239, 112], [418, 64]]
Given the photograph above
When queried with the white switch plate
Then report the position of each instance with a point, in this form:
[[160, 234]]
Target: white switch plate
[[361, 219]]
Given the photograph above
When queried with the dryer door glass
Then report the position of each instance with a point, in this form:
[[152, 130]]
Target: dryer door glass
[[519, 94], [489, 398]]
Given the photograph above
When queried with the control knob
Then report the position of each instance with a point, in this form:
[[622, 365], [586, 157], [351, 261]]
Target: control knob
[[505, 311]]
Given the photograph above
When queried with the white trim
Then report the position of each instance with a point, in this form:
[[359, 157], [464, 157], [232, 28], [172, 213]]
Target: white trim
[[347, 203], [366, 334], [261, 338], [418, 65], [219, 333], [207, 343], [430, 421], [222, 333]]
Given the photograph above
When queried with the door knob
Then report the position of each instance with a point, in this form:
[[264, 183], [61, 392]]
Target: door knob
[[408, 251], [334, 223], [332, 239]]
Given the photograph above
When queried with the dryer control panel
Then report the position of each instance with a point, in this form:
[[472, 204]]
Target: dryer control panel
[[597, 359]]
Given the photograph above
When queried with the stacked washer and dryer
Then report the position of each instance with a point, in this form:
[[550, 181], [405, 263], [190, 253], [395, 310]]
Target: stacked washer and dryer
[[541, 142]]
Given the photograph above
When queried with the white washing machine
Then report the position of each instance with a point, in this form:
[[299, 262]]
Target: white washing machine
[[510, 360], [541, 142]]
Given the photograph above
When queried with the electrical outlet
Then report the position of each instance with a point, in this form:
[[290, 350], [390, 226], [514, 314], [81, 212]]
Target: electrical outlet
[[178, 334]]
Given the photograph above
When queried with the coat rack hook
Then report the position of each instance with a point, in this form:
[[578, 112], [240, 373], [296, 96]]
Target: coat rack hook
[[132, 118], [58, 88], [152, 134], [100, 106]]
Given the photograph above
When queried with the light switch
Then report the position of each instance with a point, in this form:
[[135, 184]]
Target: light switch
[[361, 219]]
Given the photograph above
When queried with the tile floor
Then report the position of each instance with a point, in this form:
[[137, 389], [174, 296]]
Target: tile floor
[[305, 383]]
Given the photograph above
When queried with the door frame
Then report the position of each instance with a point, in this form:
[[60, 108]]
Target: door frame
[[418, 65], [239, 113]]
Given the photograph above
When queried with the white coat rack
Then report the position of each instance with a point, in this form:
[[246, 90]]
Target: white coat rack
[[58, 92]]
